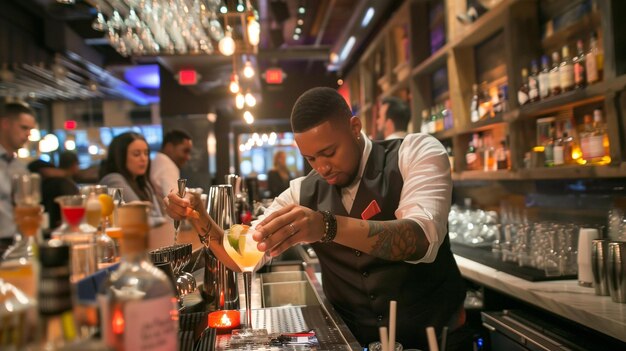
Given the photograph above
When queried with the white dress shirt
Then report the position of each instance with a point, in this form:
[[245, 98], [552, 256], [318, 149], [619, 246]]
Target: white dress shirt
[[426, 192], [7, 170], [164, 174]]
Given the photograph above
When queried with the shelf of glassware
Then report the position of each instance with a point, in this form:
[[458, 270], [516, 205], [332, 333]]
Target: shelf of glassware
[[563, 297]]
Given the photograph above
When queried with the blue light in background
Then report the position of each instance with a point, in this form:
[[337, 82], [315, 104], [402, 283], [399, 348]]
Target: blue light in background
[[144, 76]]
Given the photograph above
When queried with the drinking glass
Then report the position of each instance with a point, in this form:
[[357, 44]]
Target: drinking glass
[[242, 248], [26, 214]]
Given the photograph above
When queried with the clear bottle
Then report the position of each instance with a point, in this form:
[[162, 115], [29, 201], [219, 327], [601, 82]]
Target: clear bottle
[[549, 147], [555, 76], [533, 82], [580, 77], [594, 61], [592, 140], [566, 70], [522, 93], [558, 148], [474, 114], [544, 78], [137, 304]]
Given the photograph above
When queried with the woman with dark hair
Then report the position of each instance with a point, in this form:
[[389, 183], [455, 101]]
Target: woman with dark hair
[[128, 167]]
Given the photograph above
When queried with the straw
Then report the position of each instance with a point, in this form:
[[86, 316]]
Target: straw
[[384, 343], [432, 339], [444, 339], [393, 309]]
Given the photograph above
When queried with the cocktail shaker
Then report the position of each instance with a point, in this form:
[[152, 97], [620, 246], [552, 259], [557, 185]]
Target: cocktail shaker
[[599, 258], [617, 271], [220, 281]]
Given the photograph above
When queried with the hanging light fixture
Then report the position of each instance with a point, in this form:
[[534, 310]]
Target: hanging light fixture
[[248, 70], [254, 30], [240, 101], [227, 44], [250, 99], [248, 117], [234, 83]]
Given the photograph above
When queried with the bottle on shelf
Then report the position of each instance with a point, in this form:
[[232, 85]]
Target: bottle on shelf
[[533, 82], [137, 296], [473, 156], [433, 120], [522, 93], [555, 76], [425, 121], [502, 155], [474, 106], [593, 137], [544, 78], [489, 154], [448, 120], [439, 118], [566, 70], [549, 147], [558, 149], [580, 76], [571, 150], [594, 61]]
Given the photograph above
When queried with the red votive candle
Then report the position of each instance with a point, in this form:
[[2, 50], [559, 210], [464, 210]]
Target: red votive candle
[[225, 320]]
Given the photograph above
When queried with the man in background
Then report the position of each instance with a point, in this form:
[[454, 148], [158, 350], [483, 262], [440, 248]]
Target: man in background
[[165, 168], [393, 118], [16, 121]]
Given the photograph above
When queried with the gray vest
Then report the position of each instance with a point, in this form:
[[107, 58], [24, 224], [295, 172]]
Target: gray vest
[[360, 286]]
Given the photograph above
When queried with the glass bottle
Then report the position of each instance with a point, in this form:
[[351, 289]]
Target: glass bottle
[[544, 78], [474, 114], [594, 61], [502, 156], [439, 120], [592, 139], [566, 70], [555, 77], [558, 149], [549, 147], [580, 77], [473, 157], [57, 327], [522, 93], [448, 119], [137, 304], [489, 157], [533, 82]]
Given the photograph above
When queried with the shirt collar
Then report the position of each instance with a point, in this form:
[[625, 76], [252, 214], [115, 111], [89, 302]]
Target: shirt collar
[[5, 155], [364, 157]]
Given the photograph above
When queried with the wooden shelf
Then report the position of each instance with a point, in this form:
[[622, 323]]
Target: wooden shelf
[[584, 25], [570, 99], [486, 25], [393, 89], [432, 63], [545, 173], [483, 124], [445, 134], [482, 175]]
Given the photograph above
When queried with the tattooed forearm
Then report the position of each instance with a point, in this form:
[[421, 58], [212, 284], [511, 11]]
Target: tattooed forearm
[[399, 240]]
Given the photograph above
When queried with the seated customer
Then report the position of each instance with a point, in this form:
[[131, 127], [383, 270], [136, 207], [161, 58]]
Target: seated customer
[[127, 166]]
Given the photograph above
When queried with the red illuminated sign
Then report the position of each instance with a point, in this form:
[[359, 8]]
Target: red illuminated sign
[[274, 76], [187, 77], [70, 124]]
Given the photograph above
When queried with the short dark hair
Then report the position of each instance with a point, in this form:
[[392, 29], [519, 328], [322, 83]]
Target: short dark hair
[[316, 106], [67, 159], [14, 109], [398, 112], [175, 137]]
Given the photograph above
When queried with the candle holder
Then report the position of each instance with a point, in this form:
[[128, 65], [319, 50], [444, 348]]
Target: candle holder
[[224, 321]]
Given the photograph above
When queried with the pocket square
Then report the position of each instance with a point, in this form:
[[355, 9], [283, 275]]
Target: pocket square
[[371, 210]]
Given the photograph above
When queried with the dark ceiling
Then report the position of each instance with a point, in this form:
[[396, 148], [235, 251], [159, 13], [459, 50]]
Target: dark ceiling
[[327, 25]]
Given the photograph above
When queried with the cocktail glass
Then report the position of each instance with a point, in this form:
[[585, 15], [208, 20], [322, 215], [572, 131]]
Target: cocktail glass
[[242, 248]]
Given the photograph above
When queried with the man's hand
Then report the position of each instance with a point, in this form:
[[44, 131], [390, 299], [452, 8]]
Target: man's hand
[[182, 207], [287, 227]]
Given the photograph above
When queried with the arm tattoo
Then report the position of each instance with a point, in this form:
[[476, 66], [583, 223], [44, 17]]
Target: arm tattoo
[[398, 240]]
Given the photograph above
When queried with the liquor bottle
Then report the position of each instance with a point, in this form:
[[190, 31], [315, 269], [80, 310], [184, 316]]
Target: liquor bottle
[[549, 147], [544, 78], [502, 156], [593, 138], [474, 114], [594, 61], [424, 126], [522, 93], [57, 327], [448, 119], [558, 148], [473, 157], [580, 77], [533, 82], [489, 155], [555, 76], [137, 304], [566, 70]]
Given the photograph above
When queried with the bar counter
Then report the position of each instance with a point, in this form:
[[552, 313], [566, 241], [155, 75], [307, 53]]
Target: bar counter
[[564, 298]]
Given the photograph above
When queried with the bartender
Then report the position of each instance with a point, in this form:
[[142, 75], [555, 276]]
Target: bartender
[[376, 215]]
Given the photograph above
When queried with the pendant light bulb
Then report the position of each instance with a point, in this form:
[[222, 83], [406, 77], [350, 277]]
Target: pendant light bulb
[[248, 117], [226, 45], [234, 84], [240, 101], [250, 99], [248, 70], [254, 31]]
